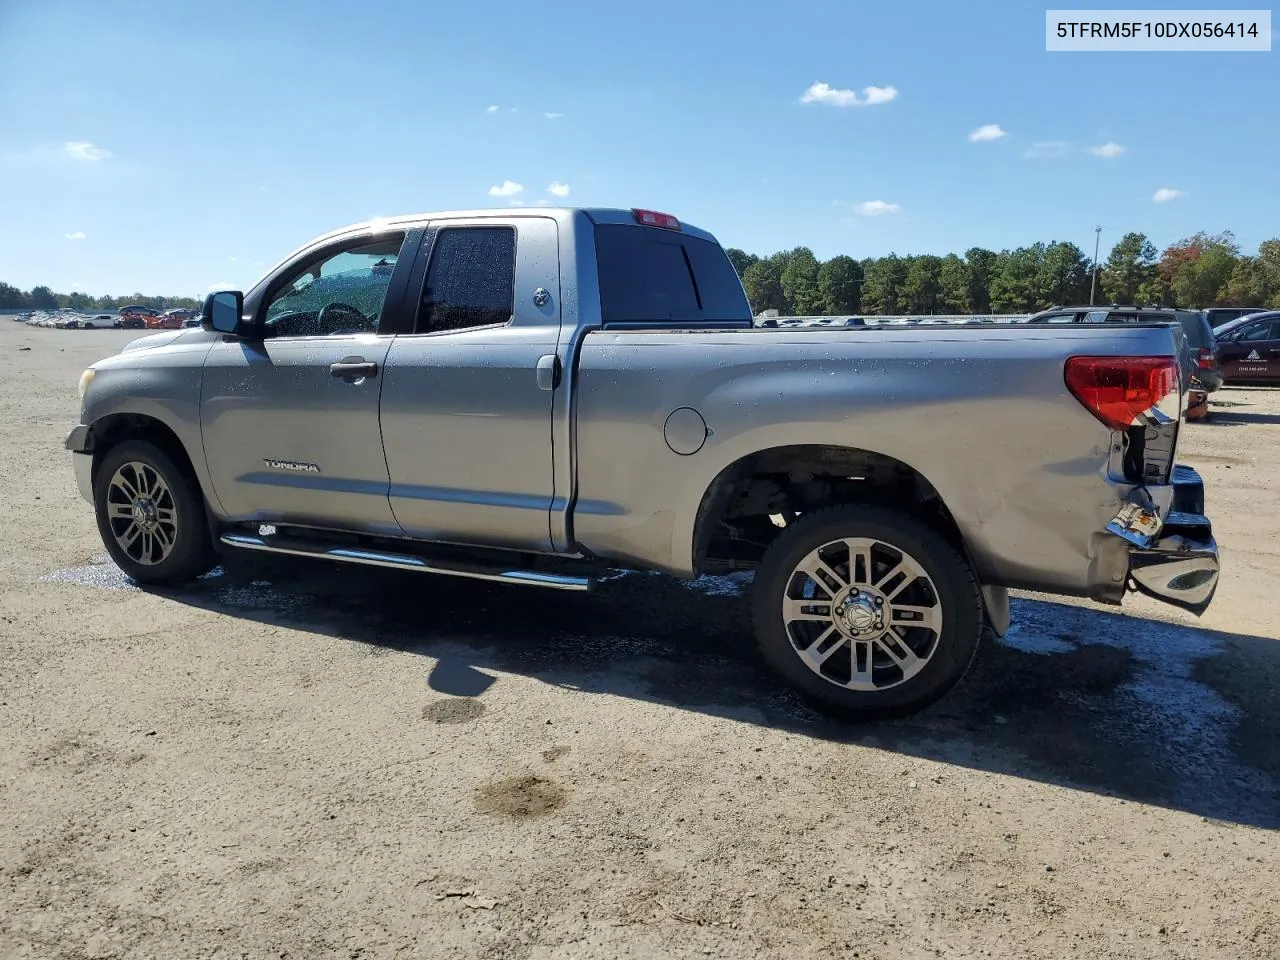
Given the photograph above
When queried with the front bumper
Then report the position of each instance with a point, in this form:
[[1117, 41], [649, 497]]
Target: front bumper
[[79, 442], [1174, 558]]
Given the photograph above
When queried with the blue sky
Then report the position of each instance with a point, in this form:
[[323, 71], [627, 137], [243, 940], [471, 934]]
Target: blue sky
[[150, 147]]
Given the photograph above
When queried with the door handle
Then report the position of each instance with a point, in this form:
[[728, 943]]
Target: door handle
[[352, 369], [548, 372]]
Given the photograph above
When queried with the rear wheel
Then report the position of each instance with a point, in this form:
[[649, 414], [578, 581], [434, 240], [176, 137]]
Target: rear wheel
[[867, 610], [151, 515]]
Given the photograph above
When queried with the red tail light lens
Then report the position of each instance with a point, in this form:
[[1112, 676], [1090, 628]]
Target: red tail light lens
[[1117, 390], [651, 218], [1204, 359]]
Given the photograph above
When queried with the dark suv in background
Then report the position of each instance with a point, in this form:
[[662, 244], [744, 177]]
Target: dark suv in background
[[1199, 356]]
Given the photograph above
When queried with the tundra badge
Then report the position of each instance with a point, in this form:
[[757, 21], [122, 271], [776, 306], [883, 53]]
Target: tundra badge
[[295, 466]]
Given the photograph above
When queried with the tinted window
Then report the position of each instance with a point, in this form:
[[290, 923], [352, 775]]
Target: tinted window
[[1260, 331], [648, 274], [339, 293], [471, 280], [1055, 318]]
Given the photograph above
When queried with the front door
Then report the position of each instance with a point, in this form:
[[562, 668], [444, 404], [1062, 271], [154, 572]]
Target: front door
[[290, 421], [466, 400], [1252, 353]]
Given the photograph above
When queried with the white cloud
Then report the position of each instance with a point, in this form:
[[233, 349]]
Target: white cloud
[[543, 202], [86, 151], [1165, 194], [517, 203], [77, 235], [508, 188], [988, 131], [558, 189], [553, 116], [492, 108], [231, 259], [876, 208], [833, 97], [1046, 148], [1107, 150]]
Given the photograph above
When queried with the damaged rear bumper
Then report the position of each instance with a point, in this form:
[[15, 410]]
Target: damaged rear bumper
[[1174, 558]]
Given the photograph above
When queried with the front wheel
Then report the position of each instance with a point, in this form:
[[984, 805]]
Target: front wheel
[[867, 610], [151, 515]]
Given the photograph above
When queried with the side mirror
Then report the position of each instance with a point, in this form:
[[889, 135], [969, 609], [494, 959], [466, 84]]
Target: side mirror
[[222, 312]]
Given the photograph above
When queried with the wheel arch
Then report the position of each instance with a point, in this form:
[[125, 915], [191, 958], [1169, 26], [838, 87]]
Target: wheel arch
[[728, 532], [112, 429]]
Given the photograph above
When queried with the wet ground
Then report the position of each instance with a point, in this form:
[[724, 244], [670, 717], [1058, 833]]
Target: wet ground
[[298, 759]]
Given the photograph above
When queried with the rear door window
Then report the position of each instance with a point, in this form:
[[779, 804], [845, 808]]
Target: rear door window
[[470, 280], [652, 275]]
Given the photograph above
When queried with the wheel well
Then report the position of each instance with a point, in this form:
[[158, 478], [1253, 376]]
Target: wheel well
[[753, 499], [113, 430]]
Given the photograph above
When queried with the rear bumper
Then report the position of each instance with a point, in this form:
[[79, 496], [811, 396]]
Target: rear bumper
[[1174, 559], [1210, 380]]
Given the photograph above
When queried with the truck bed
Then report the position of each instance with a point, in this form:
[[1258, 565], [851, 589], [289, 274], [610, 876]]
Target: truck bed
[[982, 412]]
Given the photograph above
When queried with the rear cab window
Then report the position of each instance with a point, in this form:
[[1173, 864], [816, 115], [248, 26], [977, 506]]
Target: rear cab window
[[651, 275]]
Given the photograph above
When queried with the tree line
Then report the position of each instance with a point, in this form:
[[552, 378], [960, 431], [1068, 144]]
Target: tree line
[[1202, 270], [43, 298]]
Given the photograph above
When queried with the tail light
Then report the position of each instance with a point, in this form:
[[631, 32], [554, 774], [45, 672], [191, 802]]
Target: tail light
[[1204, 359], [1118, 390], [651, 218]]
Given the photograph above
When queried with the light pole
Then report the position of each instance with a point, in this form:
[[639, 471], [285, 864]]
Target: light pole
[[1093, 283]]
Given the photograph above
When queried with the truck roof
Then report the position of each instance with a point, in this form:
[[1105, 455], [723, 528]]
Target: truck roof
[[616, 215]]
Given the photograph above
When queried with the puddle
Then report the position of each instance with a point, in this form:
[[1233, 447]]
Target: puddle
[[1162, 704], [102, 574], [730, 585]]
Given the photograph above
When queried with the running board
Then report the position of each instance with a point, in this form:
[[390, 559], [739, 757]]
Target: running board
[[404, 561]]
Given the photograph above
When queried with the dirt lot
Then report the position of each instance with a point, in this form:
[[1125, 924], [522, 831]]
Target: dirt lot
[[307, 762]]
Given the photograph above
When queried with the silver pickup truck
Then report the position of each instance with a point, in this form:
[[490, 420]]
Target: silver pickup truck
[[541, 397]]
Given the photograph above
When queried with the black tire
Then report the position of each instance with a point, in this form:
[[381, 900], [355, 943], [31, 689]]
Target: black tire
[[952, 585], [191, 553]]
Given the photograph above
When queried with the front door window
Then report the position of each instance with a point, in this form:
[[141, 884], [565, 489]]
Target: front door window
[[339, 294]]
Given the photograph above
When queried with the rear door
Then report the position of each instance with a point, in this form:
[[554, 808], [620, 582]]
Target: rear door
[[467, 395], [1252, 353]]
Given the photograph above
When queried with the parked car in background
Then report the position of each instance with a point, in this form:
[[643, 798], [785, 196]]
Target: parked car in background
[[1217, 316], [129, 321], [1203, 347], [138, 311], [1249, 347], [177, 317], [97, 320]]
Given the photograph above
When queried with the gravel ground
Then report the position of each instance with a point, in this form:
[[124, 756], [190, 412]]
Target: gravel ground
[[297, 760]]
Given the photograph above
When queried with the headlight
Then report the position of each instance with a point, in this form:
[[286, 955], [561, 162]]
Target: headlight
[[86, 378]]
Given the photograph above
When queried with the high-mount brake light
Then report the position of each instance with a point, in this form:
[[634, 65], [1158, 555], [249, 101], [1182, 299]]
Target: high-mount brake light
[[651, 218], [1118, 390]]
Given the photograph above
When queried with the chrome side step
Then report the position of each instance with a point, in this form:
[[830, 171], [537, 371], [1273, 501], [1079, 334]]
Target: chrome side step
[[404, 561]]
